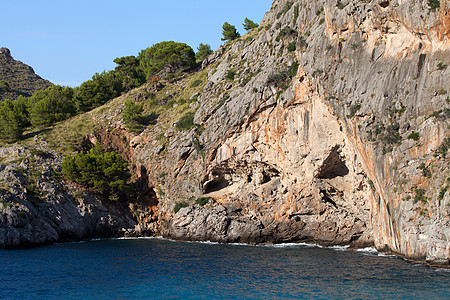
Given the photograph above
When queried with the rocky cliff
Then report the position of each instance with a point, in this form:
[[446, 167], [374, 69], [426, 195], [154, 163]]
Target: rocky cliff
[[38, 208], [329, 123], [350, 149], [18, 79]]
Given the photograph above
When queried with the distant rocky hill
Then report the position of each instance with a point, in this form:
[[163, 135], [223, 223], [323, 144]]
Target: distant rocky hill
[[18, 79]]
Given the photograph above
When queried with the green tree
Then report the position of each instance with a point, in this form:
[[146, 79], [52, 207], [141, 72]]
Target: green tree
[[105, 172], [249, 24], [229, 32], [129, 71], [133, 116], [97, 91], [51, 105], [203, 51], [13, 119], [173, 57]]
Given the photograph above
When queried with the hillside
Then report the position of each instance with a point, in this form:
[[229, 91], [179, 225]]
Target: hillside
[[329, 123], [18, 79]]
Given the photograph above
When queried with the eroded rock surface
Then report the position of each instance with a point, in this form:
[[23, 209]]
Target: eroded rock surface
[[38, 208], [328, 158]]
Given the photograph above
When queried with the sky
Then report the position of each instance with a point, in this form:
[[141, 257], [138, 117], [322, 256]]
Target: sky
[[67, 42]]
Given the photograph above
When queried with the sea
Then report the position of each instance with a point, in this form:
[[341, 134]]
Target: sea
[[155, 268]]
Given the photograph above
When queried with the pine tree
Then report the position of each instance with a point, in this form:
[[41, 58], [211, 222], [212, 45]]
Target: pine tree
[[229, 32], [249, 24], [203, 51]]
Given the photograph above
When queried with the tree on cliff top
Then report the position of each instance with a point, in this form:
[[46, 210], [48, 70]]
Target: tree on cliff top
[[249, 24], [174, 56], [203, 51], [229, 32]]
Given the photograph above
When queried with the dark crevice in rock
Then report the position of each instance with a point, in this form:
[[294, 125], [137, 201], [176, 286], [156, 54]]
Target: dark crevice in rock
[[327, 199], [420, 64], [384, 4], [333, 166], [216, 184]]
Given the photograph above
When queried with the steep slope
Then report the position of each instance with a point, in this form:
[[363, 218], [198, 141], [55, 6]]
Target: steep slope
[[336, 156], [18, 79]]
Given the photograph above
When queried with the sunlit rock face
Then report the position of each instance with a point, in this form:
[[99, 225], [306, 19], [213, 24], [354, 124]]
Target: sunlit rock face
[[328, 157]]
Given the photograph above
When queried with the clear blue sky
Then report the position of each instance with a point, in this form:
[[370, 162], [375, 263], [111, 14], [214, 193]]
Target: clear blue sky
[[66, 42]]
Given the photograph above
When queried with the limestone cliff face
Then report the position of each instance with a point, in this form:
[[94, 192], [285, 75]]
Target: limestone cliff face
[[343, 151]]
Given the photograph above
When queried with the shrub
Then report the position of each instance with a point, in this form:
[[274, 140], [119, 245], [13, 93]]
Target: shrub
[[202, 200], [392, 135], [425, 171], [97, 91], [414, 136], [354, 109], [230, 75], [105, 172], [133, 117], [442, 192], [285, 9], [203, 51], [186, 122], [21, 214], [196, 83], [51, 105], [13, 119], [249, 24], [419, 195], [129, 72], [441, 66], [286, 32], [302, 42], [284, 77], [434, 4], [443, 148], [293, 69], [179, 205], [292, 46], [296, 12]]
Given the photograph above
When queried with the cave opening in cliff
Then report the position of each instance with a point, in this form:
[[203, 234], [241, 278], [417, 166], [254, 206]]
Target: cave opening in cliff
[[216, 184], [333, 166]]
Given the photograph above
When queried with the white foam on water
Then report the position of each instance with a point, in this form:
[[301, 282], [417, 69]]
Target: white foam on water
[[203, 242], [339, 248], [368, 250]]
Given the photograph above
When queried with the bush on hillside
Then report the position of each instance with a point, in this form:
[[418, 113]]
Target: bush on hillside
[[249, 24], [51, 105], [97, 91], [129, 72], [133, 116], [203, 51], [186, 122], [13, 119], [105, 172]]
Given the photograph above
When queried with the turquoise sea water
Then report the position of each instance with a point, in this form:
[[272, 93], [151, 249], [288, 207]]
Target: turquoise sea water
[[156, 268]]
